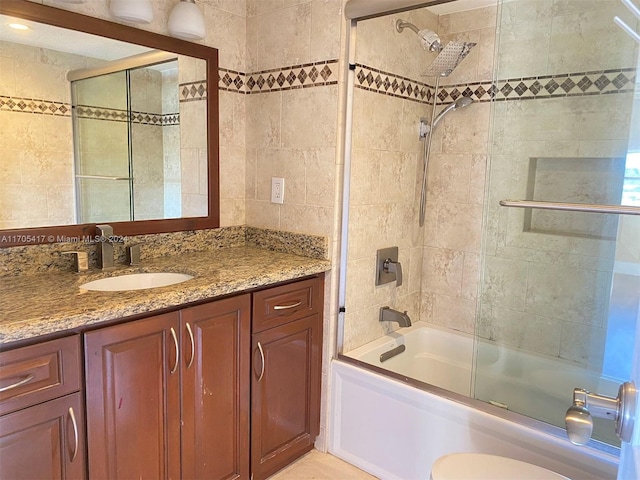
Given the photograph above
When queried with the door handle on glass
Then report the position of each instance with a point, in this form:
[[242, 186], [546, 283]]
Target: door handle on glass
[[72, 416], [193, 345], [23, 380], [586, 405], [175, 342], [390, 266], [262, 361]]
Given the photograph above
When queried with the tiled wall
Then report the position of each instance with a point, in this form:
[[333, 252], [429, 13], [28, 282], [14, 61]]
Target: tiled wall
[[545, 108], [549, 292]]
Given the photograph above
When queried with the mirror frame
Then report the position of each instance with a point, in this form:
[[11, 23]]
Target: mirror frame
[[74, 21]]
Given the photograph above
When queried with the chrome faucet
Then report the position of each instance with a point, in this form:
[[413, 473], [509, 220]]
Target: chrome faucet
[[390, 315], [105, 246]]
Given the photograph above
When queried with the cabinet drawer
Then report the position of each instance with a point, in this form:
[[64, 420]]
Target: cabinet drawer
[[279, 305], [38, 373]]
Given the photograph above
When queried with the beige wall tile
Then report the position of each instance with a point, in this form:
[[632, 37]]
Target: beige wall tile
[[309, 117], [284, 37]]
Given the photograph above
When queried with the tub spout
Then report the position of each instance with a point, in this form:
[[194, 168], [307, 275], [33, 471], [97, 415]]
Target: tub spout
[[390, 315]]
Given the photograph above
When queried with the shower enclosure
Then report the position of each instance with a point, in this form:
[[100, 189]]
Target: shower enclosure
[[127, 144], [550, 297]]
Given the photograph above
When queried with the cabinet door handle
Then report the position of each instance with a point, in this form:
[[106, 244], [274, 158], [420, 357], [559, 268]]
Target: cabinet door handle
[[287, 307], [23, 380], [175, 342], [262, 360], [193, 345], [72, 416]]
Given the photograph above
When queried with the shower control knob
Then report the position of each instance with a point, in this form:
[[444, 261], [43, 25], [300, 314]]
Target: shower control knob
[[579, 425]]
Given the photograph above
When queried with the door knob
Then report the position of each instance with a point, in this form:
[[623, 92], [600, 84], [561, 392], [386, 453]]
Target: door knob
[[586, 405]]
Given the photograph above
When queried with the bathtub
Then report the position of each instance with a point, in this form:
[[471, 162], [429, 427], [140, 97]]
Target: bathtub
[[395, 425]]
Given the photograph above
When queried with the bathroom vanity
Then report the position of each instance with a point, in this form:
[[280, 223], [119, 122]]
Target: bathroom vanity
[[217, 377]]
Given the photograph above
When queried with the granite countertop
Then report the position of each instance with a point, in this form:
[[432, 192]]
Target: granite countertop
[[50, 302]]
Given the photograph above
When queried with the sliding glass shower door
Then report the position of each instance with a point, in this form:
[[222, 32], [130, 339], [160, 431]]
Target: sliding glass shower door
[[560, 289]]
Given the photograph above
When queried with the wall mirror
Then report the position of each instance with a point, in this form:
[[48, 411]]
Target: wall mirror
[[102, 123]]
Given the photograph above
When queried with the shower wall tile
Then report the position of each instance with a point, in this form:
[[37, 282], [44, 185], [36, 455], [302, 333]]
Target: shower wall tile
[[460, 227], [443, 271], [375, 130], [468, 20], [583, 345], [455, 313]]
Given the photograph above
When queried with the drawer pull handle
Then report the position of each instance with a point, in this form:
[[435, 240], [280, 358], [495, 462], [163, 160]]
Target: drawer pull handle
[[262, 359], [19, 383], [193, 345], [287, 307], [75, 434], [175, 342]]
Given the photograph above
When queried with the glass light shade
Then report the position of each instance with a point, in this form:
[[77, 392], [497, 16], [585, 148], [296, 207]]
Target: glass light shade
[[134, 11], [186, 21]]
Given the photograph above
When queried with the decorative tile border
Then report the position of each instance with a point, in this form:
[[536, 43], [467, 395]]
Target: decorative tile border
[[193, 91], [33, 105], [525, 88], [374, 80], [307, 75], [119, 115]]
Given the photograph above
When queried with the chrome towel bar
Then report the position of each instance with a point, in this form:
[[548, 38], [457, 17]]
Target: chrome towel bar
[[572, 207]]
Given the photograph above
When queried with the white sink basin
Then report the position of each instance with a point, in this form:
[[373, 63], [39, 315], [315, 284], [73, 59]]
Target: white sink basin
[[136, 281]]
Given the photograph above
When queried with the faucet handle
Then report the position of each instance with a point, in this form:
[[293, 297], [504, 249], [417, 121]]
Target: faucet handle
[[105, 230], [133, 253], [389, 266], [80, 260]]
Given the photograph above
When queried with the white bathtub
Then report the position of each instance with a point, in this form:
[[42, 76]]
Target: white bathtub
[[396, 431]]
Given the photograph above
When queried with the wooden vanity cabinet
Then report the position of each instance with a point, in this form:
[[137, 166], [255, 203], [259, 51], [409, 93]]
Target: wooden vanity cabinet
[[167, 396], [286, 374], [42, 414]]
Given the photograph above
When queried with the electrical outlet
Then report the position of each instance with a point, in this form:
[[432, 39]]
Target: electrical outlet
[[277, 190]]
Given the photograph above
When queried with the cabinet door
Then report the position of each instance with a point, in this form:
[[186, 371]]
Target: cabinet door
[[44, 442], [285, 394], [133, 399], [215, 389]]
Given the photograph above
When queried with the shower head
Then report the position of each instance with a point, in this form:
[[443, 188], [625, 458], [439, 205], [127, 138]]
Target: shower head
[[428, 38], [448, 57], [461, 102]]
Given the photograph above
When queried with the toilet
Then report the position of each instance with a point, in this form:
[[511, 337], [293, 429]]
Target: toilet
[[479, 466]]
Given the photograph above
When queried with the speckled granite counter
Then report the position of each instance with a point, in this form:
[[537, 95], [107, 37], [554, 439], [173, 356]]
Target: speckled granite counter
[[50, 302]]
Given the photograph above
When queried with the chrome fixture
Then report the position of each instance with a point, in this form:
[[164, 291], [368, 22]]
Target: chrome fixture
[[622, 410], [425, 133], [428, 38], [80, 260], [572, 207], [133, 254], [133, 11], [105, 246], [186, 21], [449, 56], [390, 315], [388, 267], [425, 127]]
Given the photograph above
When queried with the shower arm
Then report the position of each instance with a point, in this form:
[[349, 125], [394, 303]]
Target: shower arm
[[400, 26]]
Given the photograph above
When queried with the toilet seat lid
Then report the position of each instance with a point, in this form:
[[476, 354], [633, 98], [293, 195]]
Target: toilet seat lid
[[478, 466]]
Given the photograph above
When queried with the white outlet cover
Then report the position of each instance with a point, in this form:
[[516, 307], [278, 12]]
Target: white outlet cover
[[277, 190]]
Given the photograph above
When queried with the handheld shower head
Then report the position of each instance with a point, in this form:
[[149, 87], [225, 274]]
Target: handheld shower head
[[461, 102]]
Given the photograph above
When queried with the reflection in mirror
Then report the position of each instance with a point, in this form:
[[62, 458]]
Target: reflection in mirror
[[111, 127], [122, 162]]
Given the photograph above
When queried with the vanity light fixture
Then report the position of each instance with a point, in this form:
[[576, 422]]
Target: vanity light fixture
[[186, 21], [133, 11], [18, 26]]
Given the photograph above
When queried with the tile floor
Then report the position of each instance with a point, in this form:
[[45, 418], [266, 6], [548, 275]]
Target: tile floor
[[316, 465]]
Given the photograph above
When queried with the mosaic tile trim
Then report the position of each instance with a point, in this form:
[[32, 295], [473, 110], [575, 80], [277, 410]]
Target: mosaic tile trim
[[374, 80], [307, 75], [33, 105], [525, 88], [544, 86], [119, 115], [193, 91]]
